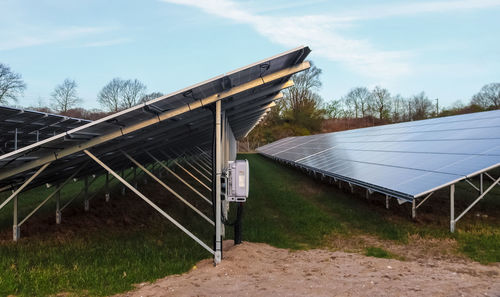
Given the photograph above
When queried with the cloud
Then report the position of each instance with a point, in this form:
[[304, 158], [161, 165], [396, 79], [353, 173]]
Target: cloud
[[110, 42], [320, 32], [409, 9], [28, 36]]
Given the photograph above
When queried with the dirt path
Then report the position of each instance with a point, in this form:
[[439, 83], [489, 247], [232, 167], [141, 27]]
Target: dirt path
[[254, 269]]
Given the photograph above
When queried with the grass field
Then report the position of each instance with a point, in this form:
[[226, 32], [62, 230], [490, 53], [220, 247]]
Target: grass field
[[125, 242]]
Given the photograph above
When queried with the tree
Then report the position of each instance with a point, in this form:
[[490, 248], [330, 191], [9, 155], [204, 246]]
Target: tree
[[301, 104], [488, 96], [399, 106], [334, 109], [120, 94], [150, 96], [359, 99], [381, 102], [109, 96], [11, 84], [132, 92], [65, 96], [422, 106]]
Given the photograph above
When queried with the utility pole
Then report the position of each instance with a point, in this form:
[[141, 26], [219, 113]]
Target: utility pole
[[437, 106]]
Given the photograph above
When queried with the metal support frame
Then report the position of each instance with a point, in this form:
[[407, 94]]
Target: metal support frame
[[148, 201], [15, 227], [57, 193], [217, 182], [106, 188], [387, 201], [86, 204], [454, 220], [192, 175], [167, 188], [196, 169], [452, 208], [179, 178]]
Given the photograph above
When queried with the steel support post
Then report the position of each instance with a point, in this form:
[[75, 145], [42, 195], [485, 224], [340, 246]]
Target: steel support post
[[86, 203], [481, 183], [387, 201], [106, 188], [452, 208], [58, 204], [16, 231], [217, 182], [413, 209]]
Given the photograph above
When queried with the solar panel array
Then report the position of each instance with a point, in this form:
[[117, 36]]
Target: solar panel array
[[246, 92], [21, 127], [405, 160]]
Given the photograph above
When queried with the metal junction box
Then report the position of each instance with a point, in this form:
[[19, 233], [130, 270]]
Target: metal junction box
[[238, 181]]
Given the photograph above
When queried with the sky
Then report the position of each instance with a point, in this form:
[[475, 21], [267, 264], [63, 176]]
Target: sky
[[449, 49]]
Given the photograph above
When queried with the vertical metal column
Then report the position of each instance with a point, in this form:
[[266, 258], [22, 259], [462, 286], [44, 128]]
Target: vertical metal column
[[106, 196], [481, 183], [452, 208], [413, 209], [218, 174], [86, 194], [15, 140], [387, 201], [58, 209], [16, 231]]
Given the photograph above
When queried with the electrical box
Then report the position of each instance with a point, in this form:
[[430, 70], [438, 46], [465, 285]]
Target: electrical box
[[238, 181]]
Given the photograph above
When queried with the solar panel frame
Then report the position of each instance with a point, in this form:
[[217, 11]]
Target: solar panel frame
[[171, 131], [405, 160]]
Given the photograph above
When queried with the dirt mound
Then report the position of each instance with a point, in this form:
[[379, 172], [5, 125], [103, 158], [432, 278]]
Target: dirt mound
[[255, 269]]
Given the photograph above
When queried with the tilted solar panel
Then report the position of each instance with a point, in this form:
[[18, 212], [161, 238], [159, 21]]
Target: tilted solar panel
[[405, 160], [22, 127]]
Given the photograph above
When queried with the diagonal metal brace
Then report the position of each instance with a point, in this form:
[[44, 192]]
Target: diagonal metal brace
[[172, 220]]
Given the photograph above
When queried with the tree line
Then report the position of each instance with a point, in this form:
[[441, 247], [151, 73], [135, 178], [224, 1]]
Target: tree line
[[302, 111], [118, 94]]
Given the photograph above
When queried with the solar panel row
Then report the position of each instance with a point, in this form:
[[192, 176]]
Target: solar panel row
[[405, 160], [21, 127]]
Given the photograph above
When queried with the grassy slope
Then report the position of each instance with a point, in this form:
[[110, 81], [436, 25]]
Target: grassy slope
[[286, 209]]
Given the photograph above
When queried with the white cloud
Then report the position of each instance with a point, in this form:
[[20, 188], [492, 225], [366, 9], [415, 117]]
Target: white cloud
[[320, 32], [324, 35], [408, 9], [110, 42], [27, 36]]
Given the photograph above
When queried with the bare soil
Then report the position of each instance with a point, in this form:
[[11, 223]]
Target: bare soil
[[256, 269]]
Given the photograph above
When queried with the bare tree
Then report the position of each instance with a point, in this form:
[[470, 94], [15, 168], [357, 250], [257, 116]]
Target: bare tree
[[422, 106], [119, 94], [334, 109], [399, 106], [359, 99], [132, 92], [150, 96], [488, 96], [11, 84], [381, 102], [65, 96]]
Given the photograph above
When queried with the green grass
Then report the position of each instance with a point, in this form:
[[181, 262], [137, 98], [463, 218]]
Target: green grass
[[89, 256], [377, 252], [289, 209]]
